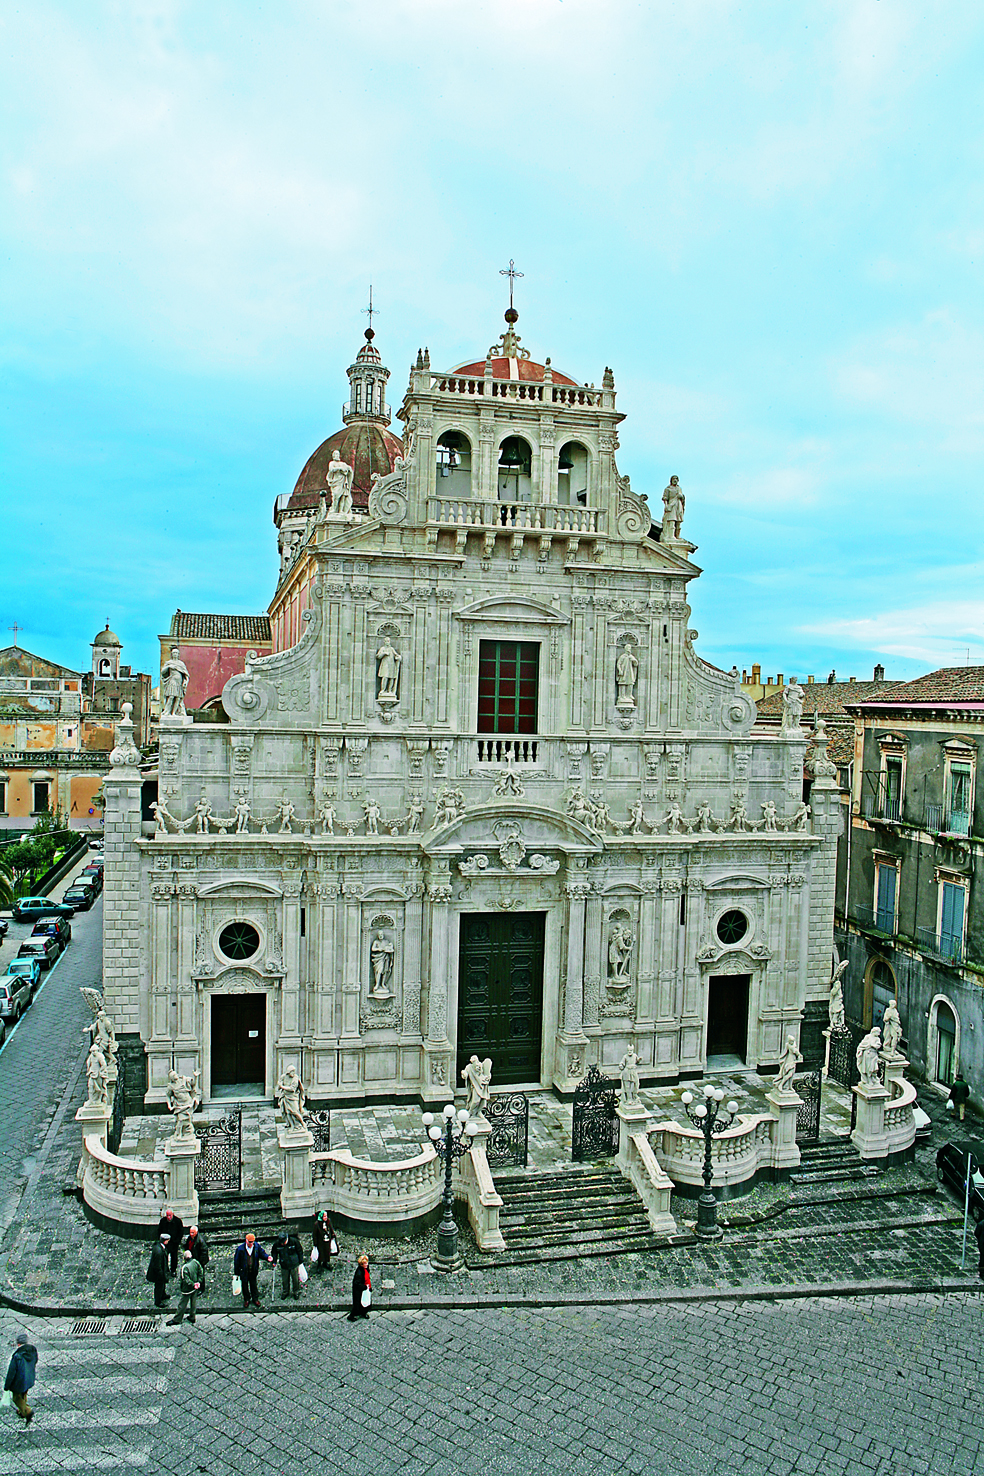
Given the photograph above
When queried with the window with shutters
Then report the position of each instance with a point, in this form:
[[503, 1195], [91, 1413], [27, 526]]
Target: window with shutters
[[886, 896]]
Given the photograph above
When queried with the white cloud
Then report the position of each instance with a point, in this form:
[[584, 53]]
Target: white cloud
[[940, 633]]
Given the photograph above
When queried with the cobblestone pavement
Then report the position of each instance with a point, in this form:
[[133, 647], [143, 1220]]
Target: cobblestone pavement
[[870, 1385]]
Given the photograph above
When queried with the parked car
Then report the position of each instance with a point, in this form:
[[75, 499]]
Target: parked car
[[80, 895], [15, 996], [951, 1169], [46, 950], [29, 909], [924, 1123], [96, 864], [53, 927], [95, 843], [93, 874], [4, 925], [27, 968]]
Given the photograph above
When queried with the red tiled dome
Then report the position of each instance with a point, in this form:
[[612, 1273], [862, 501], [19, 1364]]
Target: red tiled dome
[[367, 448], [513, 369]]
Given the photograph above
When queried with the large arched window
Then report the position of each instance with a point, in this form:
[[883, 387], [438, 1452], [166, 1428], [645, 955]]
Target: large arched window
[[572, 474], [515, 470], [453, 465]]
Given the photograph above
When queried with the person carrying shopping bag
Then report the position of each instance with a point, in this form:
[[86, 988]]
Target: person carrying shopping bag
[[361, 1289]]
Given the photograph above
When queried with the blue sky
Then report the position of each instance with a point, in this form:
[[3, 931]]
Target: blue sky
[[766, 217]]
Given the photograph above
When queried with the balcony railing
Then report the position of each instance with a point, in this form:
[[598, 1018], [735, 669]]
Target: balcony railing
[[882, 807], [948, 946], [538, 517], [508, 750], [880, 919], [516, 389], [942, 821]]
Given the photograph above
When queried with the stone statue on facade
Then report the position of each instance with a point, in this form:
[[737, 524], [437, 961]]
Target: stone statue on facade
[[793, 698], [381, 953], [243, 812], [579, 808], [159, 812], [770, 815], [326, 815], [291, 1096], [97, 1076], [477, 1076], [388, 662], [867, 1058], [373, 814], [675, 820], [626, 673], [892, 1030], [339, 478], [203, 814], [801, 818], [415, 813], [104, 1036], [629, 1071], [286, 812], [835, 1004], [174, 685], [637, 818], [448, 805], [739, 817], [705, 818], [620, 946], [788, 1062], [674, 504], [182, 1099]]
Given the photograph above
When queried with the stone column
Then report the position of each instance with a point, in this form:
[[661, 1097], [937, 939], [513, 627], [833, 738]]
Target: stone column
[[182, 1196], [122, 954], [352, 981], [186, 1044], [158, 1022], [412, 940], [289, 1042], [595, 963], [785, 1149], [438, 1081], [572, 1056], [297, 1196], [646, 956], [869, 1136]]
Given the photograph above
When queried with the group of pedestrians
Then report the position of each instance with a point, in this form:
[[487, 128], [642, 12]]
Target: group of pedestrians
[[165, 1254]]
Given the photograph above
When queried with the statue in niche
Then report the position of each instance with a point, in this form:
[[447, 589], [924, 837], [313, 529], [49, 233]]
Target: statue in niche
[[203, 812], [381, 953], [286, 812], [182, 1099], [793, 698], [339, 478], [674, 504], [620, 946], [892, 1030], [415, 813], [626, 673], [243, 812], [867, 1058], [174, 685], [801, 818], [327, 817], [788, 1062], [770, 816], [373, 815], [629, 1070], [477, 1076], [291, 1096], [97, 1076], [835, 1004], [705, 819], [388, 662]]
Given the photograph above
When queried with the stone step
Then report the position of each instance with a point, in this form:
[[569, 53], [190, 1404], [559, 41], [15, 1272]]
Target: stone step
[[576, 1239], [615, 1246], [560, 1199], [847, 1174]]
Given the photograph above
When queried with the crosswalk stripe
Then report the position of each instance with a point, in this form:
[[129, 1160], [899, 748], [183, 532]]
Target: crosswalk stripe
[[84, 1356], [46, 1419], [48, 1458]]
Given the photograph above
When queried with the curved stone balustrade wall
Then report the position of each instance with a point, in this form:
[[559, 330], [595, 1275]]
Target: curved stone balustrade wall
[[900, 1123], [122, 1191], [377, 1194], [737, 1154]]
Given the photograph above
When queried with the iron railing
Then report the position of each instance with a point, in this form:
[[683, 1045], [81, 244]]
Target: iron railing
[[882, 807], [942, 821], [949, 946], [880, 919]]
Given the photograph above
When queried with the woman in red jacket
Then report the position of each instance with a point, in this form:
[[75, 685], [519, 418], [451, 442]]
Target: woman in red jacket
[[361, 1289]]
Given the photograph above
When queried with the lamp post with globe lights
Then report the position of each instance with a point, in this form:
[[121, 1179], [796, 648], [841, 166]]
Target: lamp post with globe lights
[[451, 1135], [710, 1119]]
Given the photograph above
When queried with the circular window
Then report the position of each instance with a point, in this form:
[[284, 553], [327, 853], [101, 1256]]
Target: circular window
[[239, 940], [732, 926]]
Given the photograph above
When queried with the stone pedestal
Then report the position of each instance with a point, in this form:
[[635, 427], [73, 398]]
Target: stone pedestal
[[869, 1135], [785, 1150], [174, 721], [95, 1119], [634, 1119], [475, 1178], [182, 1196], [297, 1197], [895, 1069]]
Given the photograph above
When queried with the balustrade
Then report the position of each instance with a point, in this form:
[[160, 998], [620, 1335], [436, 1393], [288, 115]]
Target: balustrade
[[130, 1191], [508, 750], [533, 517]]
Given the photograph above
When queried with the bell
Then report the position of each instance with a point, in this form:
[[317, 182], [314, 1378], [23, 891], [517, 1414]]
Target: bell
[[510, 455], [565, 461]]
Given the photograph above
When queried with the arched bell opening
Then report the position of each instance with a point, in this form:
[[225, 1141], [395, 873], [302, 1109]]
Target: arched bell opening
[[454, 465], [573, 468], [515, 470]]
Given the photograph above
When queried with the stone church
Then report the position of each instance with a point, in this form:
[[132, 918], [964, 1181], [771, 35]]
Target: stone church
[[483, 797]]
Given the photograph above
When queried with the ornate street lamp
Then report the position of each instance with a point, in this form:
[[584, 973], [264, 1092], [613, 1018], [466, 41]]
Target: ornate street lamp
[[710, 1119], [451, 1135]]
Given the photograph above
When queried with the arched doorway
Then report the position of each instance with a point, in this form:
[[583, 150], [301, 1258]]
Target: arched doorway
[[943, 1060], [879, 987]]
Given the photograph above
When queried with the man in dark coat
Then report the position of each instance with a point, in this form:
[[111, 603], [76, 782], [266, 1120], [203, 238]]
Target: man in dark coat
[[196, 1244], [959, 1092], [246, 1264], [20, 1375], [289, 1252], [157, 1269], [171, 1226]]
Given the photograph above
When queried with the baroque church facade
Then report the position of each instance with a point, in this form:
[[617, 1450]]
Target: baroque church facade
[[483, 797]]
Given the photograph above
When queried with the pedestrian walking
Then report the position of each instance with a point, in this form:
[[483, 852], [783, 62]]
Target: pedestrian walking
[[190, 1285], [173, 1227], [325, 1242], [959, 1092], [20, 1375], [157, 1269], [246, 1265], [288, 1251], [979, 1237], [361, 1289], [199, 1250]]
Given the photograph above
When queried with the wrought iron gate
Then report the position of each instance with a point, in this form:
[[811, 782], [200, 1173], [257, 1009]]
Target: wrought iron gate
[[842, 1064], [119, 1108], [810, 1089], [596, 1124], [507, 1146], [220, 1163], [320, 1124]]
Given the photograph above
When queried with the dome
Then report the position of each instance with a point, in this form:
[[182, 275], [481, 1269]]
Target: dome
[[508, 368], [107, 638], [367, 447]]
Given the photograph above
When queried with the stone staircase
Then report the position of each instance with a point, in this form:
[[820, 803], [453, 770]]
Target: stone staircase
[[831, 1161], [225, 1218], [581, 1212]]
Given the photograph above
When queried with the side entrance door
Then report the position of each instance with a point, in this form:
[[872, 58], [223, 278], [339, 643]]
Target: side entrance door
[[500, 993], [727, 1015], [239, 1040]]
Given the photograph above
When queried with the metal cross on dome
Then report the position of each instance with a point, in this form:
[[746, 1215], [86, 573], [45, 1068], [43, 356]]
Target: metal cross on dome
[[370, 310], [511, 272]]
